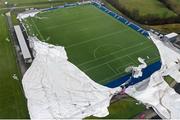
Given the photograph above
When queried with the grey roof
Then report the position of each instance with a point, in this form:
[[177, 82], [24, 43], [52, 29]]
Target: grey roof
[[22, 42]]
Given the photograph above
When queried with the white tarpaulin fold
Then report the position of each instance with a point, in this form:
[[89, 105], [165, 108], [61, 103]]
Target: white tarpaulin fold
[[137, 71], [55, 88], [159, 95], [170, 58], [28, 13], [156, 92]]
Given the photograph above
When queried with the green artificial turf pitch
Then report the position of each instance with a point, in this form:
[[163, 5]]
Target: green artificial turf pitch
[[95, 42]]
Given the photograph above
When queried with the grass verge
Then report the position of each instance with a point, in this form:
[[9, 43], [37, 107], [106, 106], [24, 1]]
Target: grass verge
[[12, 100]]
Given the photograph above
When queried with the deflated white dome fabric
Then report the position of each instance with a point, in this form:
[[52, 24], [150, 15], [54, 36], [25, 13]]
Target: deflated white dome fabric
[[159, 95], [56, 89], [170, 57]]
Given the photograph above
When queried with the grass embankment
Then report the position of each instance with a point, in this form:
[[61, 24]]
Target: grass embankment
[[123, 109], [166, 28], [12, 101], [173, 5], [169, 79], [145, 11]]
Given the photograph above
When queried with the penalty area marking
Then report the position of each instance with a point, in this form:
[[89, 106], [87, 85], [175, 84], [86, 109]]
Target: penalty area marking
[[94, 53], [118, 58], [133, 60], [127, 65], [112, 69], [112, 53]]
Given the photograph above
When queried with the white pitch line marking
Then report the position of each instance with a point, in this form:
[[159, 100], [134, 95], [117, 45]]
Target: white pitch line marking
[[112, 53], [94, 39], [117, 58]]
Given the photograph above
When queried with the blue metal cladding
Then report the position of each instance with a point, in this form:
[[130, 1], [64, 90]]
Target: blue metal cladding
[[121, 19], [147, 72]]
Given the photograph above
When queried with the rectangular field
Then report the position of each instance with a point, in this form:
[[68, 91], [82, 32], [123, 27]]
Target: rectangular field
[[95, 42]]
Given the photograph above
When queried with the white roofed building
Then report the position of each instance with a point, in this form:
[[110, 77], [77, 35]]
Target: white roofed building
[[171, 36], [22, 43]]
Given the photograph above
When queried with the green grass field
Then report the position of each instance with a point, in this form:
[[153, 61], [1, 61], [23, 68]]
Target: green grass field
[[95, 42], [166, 28], [125, 108], [17, 2], [12, 101], [23, 1], [149, 12], [169, 79], [174, 5], [146, 7], [34, 2]]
